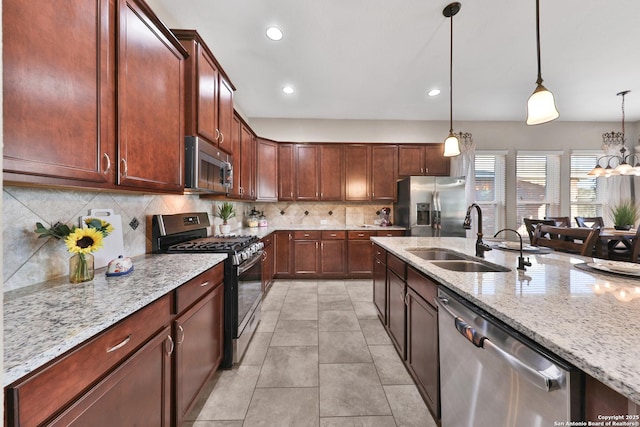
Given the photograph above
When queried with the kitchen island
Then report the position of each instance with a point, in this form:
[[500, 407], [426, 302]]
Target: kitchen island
[[591, 320]]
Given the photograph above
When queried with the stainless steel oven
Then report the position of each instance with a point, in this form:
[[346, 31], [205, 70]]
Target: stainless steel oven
[[187, 233]]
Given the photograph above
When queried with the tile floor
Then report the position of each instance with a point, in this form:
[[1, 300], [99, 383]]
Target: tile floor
[[320, 357]]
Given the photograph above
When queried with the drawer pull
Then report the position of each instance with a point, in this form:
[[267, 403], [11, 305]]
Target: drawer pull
[[181, 335], [306, 234], [360, 235], [203, 284], [172, 345], [118, 346], [333, 234]]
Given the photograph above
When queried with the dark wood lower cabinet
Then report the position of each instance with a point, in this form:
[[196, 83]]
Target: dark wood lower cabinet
[[332, 256], [396, 320], [305, 257], [359, 259], [137, 393], [380, 285], [198, 336], [283, 252], [422, 349]]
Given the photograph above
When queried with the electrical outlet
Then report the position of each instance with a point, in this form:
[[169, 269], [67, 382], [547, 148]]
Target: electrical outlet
[[323, 222]]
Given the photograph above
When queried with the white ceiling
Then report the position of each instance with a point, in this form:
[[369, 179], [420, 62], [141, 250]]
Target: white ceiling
[[376, 59]]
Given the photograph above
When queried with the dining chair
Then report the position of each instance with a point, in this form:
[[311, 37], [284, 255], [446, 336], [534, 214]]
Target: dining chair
[[578, 240], [530, 225], [631, 254], [561, 221], [590, 221]]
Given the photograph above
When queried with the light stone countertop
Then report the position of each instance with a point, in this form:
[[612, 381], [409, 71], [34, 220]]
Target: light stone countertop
[[591, 320], [45, 320]]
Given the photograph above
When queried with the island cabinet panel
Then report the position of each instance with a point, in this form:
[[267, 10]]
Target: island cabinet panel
[[422, 358], [306, 172], [331, 172], [384, 172], [267, 170], [284, 254], [600, 399], [150, 110], [198, 335], [286, 171], [358, 159], [380, 282], [59, 103], [39, 396], [396, 313], [138, 392]]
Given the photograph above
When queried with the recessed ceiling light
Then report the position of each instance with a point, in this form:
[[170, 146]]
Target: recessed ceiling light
[[434, 92], [288, 90], [274, 33]]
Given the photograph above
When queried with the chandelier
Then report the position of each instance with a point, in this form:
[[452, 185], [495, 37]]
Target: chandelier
[[618, 164]]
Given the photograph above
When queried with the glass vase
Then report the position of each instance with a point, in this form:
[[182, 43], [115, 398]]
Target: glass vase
[[81, 268]]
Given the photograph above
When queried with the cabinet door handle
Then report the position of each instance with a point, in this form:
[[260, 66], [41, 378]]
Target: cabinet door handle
[[172, 345], [181, 335], [203, 284], [221, 136], [289, 236], [406, 301], [426, 170], [106, 156], [422, 170], [316, 245], [217, 134], [118, 346], [321, 246], [125, 167]]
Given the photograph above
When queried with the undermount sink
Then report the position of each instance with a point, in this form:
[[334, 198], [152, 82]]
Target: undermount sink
[[435, 254], [470, 266]]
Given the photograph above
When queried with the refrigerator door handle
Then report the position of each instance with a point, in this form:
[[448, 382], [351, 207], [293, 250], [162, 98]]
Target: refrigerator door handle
[[434, 209]]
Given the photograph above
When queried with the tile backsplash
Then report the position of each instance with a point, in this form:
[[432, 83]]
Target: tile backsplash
[[28, 259]]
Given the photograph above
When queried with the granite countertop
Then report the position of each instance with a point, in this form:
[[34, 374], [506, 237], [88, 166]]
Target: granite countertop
[[264, 231], [591, 320], [45, 320]]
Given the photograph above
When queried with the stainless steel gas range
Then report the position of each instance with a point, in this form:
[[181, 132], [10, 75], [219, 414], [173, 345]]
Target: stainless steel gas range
[[188, 233]]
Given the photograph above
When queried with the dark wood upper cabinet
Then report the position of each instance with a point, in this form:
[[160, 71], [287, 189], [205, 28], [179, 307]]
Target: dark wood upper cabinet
[[331, 172], [150, 110], [234, 137], [208, 93], [384, 172], [306, 177], [62, 124], [358, 157], [59, 103], [422, 159], [267, 170], [247, 172], [286, 171]]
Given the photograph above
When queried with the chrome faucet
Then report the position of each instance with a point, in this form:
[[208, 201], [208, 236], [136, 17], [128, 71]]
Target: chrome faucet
[[481, 247], [521, 261]]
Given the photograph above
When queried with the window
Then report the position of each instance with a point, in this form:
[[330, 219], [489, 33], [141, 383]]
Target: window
[[587, 192], [490, 190], [537, 186]]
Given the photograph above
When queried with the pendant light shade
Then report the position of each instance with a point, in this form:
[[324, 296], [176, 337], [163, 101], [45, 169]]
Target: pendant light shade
[[451, 144], [541, 107]]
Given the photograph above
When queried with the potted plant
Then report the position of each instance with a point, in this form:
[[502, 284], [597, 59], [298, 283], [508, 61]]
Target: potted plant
[[225, 212], [624, 215]]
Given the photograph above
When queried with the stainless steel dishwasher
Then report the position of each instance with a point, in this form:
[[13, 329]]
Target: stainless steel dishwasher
[[491, 376]]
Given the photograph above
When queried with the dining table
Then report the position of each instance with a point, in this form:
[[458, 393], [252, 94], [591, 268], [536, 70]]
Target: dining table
[[610, 238]]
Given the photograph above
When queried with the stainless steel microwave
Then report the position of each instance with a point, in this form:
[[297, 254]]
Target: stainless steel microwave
[[207, 168]]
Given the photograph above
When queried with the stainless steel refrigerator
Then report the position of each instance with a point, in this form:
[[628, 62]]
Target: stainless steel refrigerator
[[431, 206]]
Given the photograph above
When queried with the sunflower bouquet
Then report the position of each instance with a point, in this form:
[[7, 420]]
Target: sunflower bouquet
[[81, 242]]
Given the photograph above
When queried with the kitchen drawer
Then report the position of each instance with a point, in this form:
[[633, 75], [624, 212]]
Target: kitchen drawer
[[423, 286], [45, 392], [360, 235], [267, 240], [390, 233], [306, 235], [380, 254], [334, 235], [195, 288], [397, 265]]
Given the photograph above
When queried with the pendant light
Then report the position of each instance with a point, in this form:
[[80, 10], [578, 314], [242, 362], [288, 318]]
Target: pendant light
[[541, 107], [451, 144]]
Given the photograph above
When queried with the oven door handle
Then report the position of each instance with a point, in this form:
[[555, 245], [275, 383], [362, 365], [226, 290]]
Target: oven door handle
[[250, 263]]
